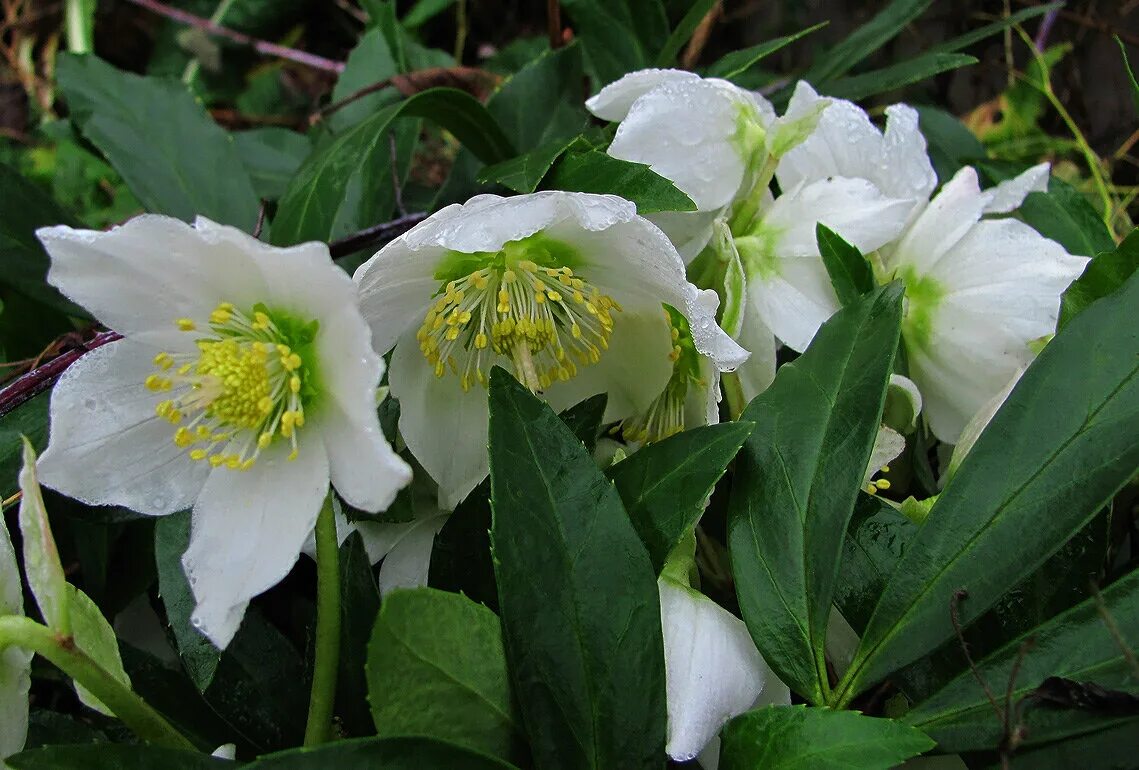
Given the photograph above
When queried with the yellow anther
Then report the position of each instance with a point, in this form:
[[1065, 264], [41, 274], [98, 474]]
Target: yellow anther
[[264, 440], [509, 276], [216, 460], [481, 341], [295, 384], [871, 489], [163, 361], [260, 321], [885, 468], [198, 454], [183, 437], [186, 324], [292, 455], [882, 484], [553, 295]]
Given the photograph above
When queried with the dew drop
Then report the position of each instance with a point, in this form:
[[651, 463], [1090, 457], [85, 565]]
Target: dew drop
[[158, 502], [90, 404]]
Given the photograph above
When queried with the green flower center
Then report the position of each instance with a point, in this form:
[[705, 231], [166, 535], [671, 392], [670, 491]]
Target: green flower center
[[525, 303], [664, 417], [246, 388], [923, 297]]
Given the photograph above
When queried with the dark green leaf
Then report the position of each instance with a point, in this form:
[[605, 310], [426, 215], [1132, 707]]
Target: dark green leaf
[[199, 656], [1036, 475], [577, 593], [1130, 74], [436, 667], [423, 11], [619, 35], [841, 58], [1103, 275], [114, 756], [665, 485], [584, 419], [23, 261], [895, 76], [396, 753], [793, 737], [796, 481], [174, 158], [596, 172], [1064, 215], [951, 144], [849, 271], [47, 728], [271, 157], [360, 601], [695, 14], [524, 173], [461, 559], [980, 33], [29, 419], [875, 539], [1113, 748], [332, 178], [738, 62], [370, 62], [1075, 644]]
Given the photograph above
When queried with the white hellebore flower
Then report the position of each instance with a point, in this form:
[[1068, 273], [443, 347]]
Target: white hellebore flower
[[244, 383], [713, 671], [564, 289], [15, 662]]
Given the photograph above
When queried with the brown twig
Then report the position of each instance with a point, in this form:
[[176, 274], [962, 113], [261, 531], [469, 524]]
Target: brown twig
[[554, 23], [955, 619], [377, 235], [1113, 629], [30, 385], [700, 37], [261, 46], [477, 82], [260, 224], [396, 187]]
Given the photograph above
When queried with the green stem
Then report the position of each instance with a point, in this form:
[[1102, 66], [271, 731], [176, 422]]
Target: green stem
[[743, 217], [137, 714], [734, 393], [190, 74], [327, 653], [77, 15]]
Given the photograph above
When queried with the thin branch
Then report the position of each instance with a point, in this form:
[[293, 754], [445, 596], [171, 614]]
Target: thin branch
[[28, 386], [374, 236], [954, 603], [261, 46], [260, 225], [700, 37], [477, 82], [554, 23]]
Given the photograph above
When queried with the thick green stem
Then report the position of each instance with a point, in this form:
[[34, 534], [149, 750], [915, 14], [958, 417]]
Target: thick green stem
[[327, 653], [137, 714]]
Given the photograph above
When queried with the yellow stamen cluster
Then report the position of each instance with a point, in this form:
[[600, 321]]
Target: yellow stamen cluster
[[546, 320], [879, 485], [664, 417], [237, 395]]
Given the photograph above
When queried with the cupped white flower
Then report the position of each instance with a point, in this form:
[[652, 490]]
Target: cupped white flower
[[789, 288], [713, 671], [978, 291], [702, 134], [244, 383], [15, 662], [845, 143], [564, 289]]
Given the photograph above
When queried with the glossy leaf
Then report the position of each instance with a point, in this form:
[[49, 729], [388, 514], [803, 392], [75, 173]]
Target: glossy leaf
[[199, 656], [30, 419], [1035, 476], [618, 37], [423, 11], [584, 419], [886, 24], [183, 164], [271, 156], [988, 30], [436, 667], [95, 637], [1113, 747], [23, 261], [114, 756], [682, 33], [738, 62], [359, 605], [44, 573], [578, 596], [665, 486], [331, 179], [849, 271], [1103, 275], [1064, 215], [876, 537], [796, 480], [396, 753], [895, 76], [524, 173], [786, 737], [596, 172], [951, 145], [1075, 644]]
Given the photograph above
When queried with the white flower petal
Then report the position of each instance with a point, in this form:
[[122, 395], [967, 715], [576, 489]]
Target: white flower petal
[[906, 392], [1009, 194], [247, 532], [614, 100], [758, 372], [713, 671], [979, 422], [107, 446], [633, 371], [702, 404], [942, 223], [139, 277], [409, 560], [847, 144], [364, 468], [687, 132], [445, 428], [15, 662], [852, 208], [689, 231], [888, 444], [794, 303]]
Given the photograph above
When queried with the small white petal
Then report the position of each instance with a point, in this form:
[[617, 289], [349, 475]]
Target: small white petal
[[979, 422], [713, 671], [758, 372], [689, 231], [225, 751], [444, 427], [942, 223], [688, 132], [107, 446], [614, 100], [1009, 194], [853, 208], [139, 277], [794, 303], [409, 560], [888, 444], [247, 532]]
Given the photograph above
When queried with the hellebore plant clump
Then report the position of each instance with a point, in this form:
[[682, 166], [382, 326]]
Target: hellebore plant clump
[[689, 424]]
